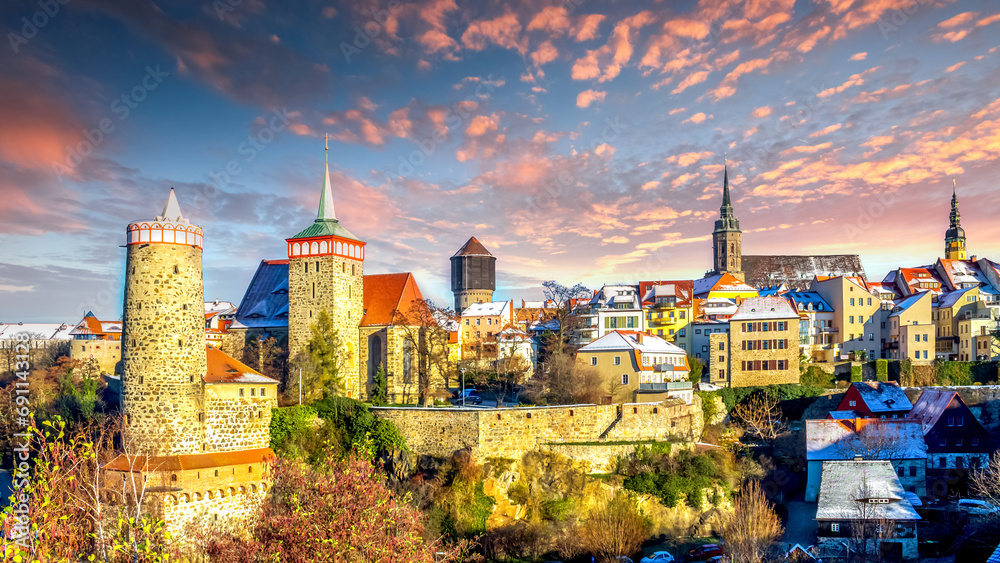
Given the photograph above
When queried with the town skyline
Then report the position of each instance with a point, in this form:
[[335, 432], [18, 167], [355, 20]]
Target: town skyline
[[576, 145]]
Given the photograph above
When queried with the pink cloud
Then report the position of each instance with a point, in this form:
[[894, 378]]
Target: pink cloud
[[606, 62], [960, 19], [691, 80], [503, 31], [587, 97], [858, 56], [545, 53], [689, 158], [762, 111], [587, 26], [553, 19]]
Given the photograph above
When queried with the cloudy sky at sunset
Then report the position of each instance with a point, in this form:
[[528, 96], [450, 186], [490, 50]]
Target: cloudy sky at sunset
[[580, 140]]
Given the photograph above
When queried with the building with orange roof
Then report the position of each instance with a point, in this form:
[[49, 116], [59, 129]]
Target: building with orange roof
[[97, 340], [857, 317], [401, 333]]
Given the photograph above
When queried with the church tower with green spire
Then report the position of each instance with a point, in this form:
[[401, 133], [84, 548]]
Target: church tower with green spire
[[727, 238], [954, 237], [326, 272]]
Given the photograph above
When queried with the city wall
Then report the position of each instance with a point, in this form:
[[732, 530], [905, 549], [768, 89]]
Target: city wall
[[590, 433]]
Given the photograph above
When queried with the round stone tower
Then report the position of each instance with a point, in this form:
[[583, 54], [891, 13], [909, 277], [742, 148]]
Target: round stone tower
[[163, 337]]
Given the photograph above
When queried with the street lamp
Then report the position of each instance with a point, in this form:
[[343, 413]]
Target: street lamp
[[462, 369]]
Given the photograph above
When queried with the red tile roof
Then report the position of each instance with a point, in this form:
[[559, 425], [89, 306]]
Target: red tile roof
[[190, 461], [473, 247], [385, 294], [223, 368], [684, 289]]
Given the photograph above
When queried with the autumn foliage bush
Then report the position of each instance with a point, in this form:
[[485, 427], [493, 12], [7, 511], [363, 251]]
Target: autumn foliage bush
[[339, 513]]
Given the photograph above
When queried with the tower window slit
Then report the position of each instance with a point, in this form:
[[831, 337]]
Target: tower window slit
[[177, 269]]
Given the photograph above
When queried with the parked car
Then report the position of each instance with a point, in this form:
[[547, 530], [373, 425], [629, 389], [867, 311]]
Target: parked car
[[471, 397], [658, 557], [704, 552], [977, 507], [622, 559], [914, 500]]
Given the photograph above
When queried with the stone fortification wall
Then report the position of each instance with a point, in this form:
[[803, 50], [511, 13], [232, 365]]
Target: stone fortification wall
[[435, 432], [163, 346], [512, 432], [237, 423]]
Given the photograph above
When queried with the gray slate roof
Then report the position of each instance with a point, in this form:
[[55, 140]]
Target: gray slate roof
[[265, 304], [836, 439], [798, 271]]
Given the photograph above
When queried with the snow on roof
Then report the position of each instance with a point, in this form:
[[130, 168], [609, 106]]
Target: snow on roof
[[754, 308], [218, 306], [873, 438], [803, 299], [797, 270], [46, 331], [841, 485], [931, 405], [627, 340], [949, 299], [843, 415], [905, 304], [883, 396], [492, 308]]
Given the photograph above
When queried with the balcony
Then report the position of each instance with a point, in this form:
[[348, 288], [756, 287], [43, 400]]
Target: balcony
[[828, 330], [671, 386]]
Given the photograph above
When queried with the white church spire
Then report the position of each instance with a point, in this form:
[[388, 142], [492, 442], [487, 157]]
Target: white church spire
[[326, 211]]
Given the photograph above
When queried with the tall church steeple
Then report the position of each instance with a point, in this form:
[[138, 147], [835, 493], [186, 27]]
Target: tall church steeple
[[954, 237], [727, 238]]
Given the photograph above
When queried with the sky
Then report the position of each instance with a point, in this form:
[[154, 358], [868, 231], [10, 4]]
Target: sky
[[580, 141]]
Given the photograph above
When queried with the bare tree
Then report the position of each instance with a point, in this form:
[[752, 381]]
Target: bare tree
[[565, 314], [751, 529], [875, 440], [985, 481], [870, 524], [424, 327], [760, 415], [614, 528]]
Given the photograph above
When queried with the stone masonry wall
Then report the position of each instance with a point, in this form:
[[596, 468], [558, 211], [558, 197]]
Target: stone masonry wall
[[107, 352], [436, 432], [512, 432], [339, 289], [163, 346], [237, 423]]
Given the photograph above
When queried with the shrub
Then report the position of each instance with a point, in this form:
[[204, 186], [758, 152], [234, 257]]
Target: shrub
[[518, 493], [906, 372], [614, 529], [557, 509], [817, 377], [855, 374], [882, 370], [290, 425]]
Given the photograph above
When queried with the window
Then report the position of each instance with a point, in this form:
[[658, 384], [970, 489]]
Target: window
[[850, 319], [835, 527], [593, 360], [852, 403], [681, 332], [958, 421], [722, 359], [925, 354], [942, 462], [943, 442], [913, 471], [958, 441], [975, 441], [951, 421], [624, 379], [916, 355], [916, 338], [925, 338], [697, 331], [722, 374], [618, 360], [704, 348], [722, 345], [241, 391], [900, 472], [263, 391], [478, 321]]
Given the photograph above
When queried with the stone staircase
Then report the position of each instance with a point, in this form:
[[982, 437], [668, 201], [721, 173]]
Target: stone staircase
[[604, 435]]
